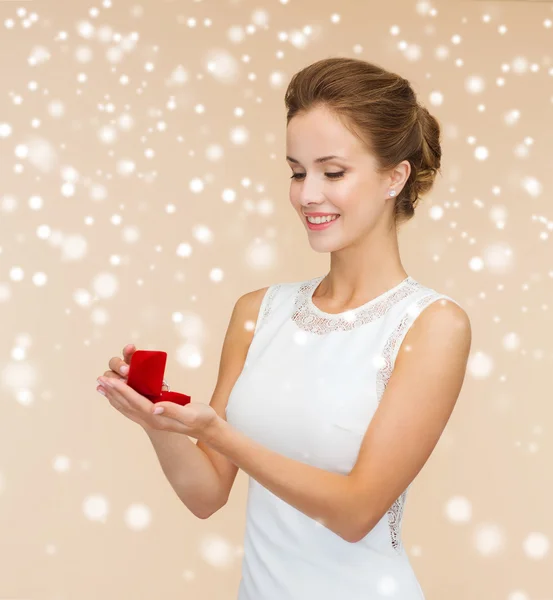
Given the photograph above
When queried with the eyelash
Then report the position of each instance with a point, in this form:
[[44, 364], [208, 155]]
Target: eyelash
[[330, 175]]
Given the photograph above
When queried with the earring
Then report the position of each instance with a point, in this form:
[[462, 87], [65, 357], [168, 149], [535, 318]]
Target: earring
[[392, 192]]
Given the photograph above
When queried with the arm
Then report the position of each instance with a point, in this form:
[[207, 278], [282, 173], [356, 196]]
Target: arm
[[414, 408], [201, 476], [188, 470]]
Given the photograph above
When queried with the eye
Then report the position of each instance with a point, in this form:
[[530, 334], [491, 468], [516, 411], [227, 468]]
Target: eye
[[337, 175]]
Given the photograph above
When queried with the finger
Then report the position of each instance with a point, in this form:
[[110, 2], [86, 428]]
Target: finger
[[171, 410], [128, 351], [106, 391], [127, 396], [169, 420], [113, 375], [116, 364], [112, 394]]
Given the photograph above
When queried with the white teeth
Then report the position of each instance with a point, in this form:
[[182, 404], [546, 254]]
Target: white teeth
[[322, 219]]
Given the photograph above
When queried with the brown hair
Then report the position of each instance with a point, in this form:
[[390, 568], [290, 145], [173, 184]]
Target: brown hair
[[382, 110]]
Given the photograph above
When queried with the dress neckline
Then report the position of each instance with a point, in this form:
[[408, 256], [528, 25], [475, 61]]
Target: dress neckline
[[352, 311]]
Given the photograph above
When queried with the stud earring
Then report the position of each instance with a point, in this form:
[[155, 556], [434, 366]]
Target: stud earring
[[392, 192]]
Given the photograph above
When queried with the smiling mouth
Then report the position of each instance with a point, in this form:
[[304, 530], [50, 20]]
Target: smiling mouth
[[322, 225]]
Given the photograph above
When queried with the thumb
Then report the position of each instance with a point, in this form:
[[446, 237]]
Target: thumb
[[167, 408], [128, 351]]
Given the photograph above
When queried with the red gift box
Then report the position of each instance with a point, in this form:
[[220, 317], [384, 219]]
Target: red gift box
[[146, 377]]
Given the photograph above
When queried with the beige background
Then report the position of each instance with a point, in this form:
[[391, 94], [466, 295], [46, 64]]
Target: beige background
[[116, 227]]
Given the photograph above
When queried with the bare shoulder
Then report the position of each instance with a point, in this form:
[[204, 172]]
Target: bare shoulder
[[247, 310], [443, 324], [444, 316]]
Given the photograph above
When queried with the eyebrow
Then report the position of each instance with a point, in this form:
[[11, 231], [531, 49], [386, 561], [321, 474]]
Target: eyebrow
[[321, 159]]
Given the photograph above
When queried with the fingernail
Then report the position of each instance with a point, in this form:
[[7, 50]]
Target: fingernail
[[158, 410], [106, 381], [101, 391], [124, 369]]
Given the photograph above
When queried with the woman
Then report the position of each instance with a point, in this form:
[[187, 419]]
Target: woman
[[336, 399]]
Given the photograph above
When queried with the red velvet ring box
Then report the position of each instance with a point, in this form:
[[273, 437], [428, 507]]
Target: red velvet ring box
[[146, 377]]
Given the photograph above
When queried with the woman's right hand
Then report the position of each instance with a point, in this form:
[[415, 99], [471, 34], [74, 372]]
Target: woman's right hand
[[139, 411]]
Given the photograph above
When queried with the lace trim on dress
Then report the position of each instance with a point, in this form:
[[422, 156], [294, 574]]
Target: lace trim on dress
[[395, 513], [266, 305], [309, 318]]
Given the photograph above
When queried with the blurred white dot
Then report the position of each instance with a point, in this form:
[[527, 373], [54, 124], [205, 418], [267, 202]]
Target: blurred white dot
[[38, 55], [8, 203], [474, 84], [476, 264], [276, 79], [130, 234], [387, 586], [260, 17], [105, 285], [436, 213], [481, 153], [511, 341], [184, 249], [125, 122], [21, 151], [222, 66], [189, 356], [518, 595], [498, 258], [216, 551], [236, 34], [196, 185], [512, 117], [216, 274], [520, 65], [82, 297], [17, 274], [96, 508], [138, 517], [239, 135], [214, 152], [5, 130], [85, 29], [260, 254], [56, 109], [378, 361], [67, 190], [436, 98], [107, 134], [228, 196], [458, 509], [125, 167], [203, 234], [39, 279], [480, 365], [114, 55], [536, 545], [489, 539], [532, 186], [61, 463]]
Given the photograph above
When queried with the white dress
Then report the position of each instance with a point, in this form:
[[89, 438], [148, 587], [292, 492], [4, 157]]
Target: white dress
[[310, 385]]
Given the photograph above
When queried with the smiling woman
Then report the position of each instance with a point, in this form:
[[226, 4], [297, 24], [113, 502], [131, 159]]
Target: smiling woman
[[335, 401]]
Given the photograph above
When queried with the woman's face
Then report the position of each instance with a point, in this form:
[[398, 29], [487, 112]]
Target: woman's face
[[347, 185]]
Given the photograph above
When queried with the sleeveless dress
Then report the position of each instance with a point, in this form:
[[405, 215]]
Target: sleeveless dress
[[310, 385]]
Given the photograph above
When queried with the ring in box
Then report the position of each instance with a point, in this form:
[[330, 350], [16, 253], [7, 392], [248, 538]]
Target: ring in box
[[146, 371]]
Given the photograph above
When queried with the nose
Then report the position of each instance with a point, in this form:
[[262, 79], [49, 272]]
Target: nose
[[310, 191]]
